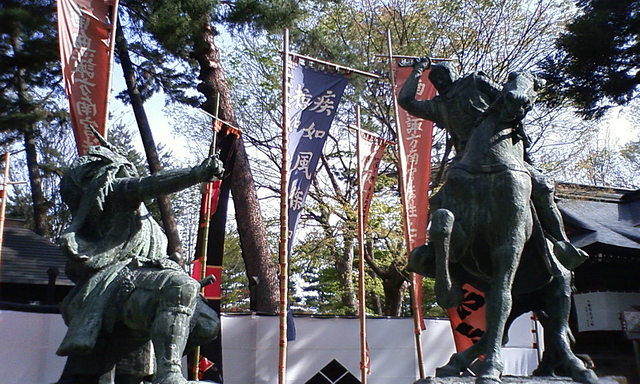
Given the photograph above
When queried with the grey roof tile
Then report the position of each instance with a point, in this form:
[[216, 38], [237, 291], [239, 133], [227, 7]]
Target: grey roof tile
[[26, 257]]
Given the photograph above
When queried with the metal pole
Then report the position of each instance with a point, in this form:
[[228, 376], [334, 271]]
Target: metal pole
[[362, 311], [414, 297], [284, 218]]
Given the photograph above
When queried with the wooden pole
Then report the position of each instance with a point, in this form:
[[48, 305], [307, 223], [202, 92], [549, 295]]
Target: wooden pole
[[334, 65], [401, 158], [3, 195], [205, 223], [284, 218], [3, 205], [112, 48], [362, 310]]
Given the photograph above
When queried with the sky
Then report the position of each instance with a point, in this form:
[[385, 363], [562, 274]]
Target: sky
[[160, 124]]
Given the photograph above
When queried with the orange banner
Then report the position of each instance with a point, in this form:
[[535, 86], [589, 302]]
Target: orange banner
[[467, 320], [84, 38]]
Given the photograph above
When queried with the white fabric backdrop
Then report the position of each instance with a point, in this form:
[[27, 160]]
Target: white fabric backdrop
[[28, 342]]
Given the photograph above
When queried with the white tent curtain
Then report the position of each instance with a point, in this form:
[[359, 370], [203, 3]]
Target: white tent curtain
[[28, 342]]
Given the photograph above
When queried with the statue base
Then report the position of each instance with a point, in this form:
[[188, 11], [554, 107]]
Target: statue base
[[520, 380]]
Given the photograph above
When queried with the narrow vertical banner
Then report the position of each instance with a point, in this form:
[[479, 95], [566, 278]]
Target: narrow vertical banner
[[414, 156], [467, 320], [85, 33], [313, 100], [415, 139], [415, 136], [414, 145], [370, 151]]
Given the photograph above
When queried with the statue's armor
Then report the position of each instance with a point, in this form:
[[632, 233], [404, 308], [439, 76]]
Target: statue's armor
[[124, 278]]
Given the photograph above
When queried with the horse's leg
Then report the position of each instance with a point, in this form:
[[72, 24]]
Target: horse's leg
[[447, 294], [505, 259], [460, 361], [557, 334]]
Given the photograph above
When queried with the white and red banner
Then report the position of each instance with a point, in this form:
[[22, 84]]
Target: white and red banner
[[370, 151], [84, 37]]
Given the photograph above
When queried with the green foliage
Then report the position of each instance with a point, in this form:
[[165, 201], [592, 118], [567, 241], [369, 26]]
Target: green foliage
[[56, 150], [599, 57], [163, 36], [235, 285], [29, 63], [494, 36], [268, 15], [31, 109]]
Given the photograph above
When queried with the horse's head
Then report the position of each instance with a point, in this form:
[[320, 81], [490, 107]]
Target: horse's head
[[518, 95]]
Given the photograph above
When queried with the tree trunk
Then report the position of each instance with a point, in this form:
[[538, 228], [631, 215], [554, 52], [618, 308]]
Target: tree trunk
[[40, 207], [164, 202], [394, 286], [344, 270], [260, 267], [394, 282]]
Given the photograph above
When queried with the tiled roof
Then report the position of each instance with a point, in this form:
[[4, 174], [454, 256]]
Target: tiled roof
[[604, 216], [26, 257]]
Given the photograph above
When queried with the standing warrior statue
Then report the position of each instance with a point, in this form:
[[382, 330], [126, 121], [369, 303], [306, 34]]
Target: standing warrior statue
[[131, 300]]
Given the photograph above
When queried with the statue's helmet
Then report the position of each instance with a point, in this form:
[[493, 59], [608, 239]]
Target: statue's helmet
[[442, 75], [93, 171]]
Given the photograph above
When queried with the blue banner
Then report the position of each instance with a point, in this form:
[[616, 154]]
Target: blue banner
[[313, 98]]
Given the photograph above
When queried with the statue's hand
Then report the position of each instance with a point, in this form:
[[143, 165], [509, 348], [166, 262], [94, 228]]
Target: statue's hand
[[421, 63], [211, 168]]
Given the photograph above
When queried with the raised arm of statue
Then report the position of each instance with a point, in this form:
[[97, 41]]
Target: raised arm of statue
[[423, 109], [136, 190]]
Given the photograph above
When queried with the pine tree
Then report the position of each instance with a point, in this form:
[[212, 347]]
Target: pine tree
[[29, 82], [597, 66]]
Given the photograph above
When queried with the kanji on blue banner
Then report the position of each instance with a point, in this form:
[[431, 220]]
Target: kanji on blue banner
[[313, 99]]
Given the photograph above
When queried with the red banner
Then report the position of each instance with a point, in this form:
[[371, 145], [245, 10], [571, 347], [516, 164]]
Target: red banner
[[415, 136], [371, 148], [212, 291], [84, 37]]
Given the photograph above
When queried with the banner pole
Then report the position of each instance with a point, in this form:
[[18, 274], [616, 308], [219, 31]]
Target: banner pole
[[112, 48], [204, 235], [3, 205], [284, 217], [401, 158], [362, 310]]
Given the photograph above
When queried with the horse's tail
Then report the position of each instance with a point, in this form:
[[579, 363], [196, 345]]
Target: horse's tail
[[448, 294]]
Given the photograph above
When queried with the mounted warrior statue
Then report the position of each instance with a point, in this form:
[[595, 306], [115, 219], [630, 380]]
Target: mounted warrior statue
[[134, 310], [494, 223]]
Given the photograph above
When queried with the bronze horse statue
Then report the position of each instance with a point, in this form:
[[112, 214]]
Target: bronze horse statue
[[485, 232]]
